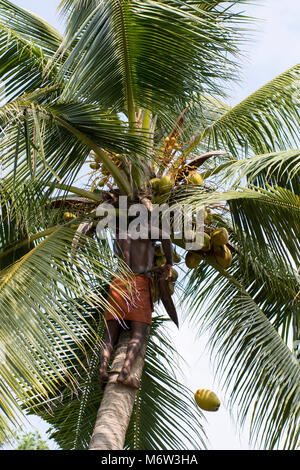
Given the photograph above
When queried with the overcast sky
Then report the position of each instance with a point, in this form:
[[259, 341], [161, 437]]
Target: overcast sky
[[274, 49]]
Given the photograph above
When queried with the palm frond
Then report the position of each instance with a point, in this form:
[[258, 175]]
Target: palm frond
[[165, 416], [30, 26], [267, 167], [21, 65], [34, 327], [257, 368], [266, 121], [272, 220], [57, 138], [150, 51], [272, 169], [72, 415]]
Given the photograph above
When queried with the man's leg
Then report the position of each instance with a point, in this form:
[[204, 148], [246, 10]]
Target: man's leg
[[138, 336], [111, 338]]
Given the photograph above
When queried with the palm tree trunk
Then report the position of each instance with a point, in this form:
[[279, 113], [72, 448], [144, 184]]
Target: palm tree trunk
[[118, 400]]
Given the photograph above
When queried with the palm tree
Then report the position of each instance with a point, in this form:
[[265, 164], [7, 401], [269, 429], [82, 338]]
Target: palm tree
[[135, 88]]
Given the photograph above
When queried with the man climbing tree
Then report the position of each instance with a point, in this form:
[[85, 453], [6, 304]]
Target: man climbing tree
[[136, 313]]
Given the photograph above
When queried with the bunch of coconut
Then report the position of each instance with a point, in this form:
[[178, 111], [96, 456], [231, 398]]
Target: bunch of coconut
[[214, 245], [162, 187]]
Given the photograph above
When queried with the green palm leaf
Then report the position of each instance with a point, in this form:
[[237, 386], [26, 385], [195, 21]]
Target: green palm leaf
[[143, 54], [56, 139], [266, 121], [21, 65], [72, 414], [254, 364], [34, 329], [30, 27], [165, 416]]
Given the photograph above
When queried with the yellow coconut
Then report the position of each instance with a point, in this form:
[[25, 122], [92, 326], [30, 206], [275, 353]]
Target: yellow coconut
[[223, 256], [207, 400], [195, 178], [192, 260], [69, 216], [220, 237]]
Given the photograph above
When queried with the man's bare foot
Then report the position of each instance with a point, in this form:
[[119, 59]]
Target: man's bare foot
[[125, 378], [103, 378]]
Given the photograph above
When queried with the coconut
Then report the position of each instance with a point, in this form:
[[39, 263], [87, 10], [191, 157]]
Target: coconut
[[165, 185], [195, 178], [176, 257], [171, 287], [160, 261], [69, 216], [158, 251], [220, 237], [175, 275], [206, 242], [207, 400], [154, 182], [223, 256], [192, 260]]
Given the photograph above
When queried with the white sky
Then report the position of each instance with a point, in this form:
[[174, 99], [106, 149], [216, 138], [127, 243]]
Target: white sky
[[274, 49]]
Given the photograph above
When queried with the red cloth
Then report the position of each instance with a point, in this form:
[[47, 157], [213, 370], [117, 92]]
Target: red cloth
[[139, 304]]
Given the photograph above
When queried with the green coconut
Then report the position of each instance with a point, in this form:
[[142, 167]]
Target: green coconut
[[158, 251], [160, 261], [171, 288], [175, 275], [155, 184], [176, 257], [165, 185], [195, 178]]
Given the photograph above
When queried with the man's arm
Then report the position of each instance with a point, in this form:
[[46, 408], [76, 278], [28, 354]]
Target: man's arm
[[122, 248]]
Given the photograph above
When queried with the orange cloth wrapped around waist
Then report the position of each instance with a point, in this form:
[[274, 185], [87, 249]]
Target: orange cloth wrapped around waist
[[138, 306]]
